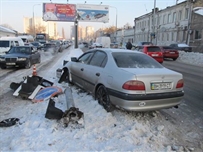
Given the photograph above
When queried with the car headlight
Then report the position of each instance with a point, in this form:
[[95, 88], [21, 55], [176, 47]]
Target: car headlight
[[2, 59], [21, 59]]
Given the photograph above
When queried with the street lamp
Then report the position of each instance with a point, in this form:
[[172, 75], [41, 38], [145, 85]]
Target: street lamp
[[33, 19], [116, 20]]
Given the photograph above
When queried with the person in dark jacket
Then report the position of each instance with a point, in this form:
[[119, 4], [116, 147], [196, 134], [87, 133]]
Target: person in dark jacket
[[129, 45]]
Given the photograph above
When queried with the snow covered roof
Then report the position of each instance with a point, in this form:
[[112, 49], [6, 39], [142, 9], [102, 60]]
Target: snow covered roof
[[4, 29], [198, 10]]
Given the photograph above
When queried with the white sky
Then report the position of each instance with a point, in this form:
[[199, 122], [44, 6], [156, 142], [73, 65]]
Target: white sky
[[117, 131]]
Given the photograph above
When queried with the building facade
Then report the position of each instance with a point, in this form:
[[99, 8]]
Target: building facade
[[175, 24]]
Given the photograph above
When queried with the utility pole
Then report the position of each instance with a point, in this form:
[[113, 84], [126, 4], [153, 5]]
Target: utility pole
[[33, 18], [153, 26], [76, 32]]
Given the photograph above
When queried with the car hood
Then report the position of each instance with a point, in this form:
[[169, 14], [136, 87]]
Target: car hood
[[15, 55]]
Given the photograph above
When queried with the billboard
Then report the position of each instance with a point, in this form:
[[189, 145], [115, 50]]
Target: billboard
[[93, 13], [59, 12]]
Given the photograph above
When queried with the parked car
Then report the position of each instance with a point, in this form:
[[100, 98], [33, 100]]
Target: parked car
[[153, 51], [141, 44], [169, 52], [20, 56], [95, 45], [181, 47], [127, 79]]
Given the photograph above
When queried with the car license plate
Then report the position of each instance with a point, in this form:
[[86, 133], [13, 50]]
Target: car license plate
[[172, 52], [10, 63], [154, 54], [160, 86]]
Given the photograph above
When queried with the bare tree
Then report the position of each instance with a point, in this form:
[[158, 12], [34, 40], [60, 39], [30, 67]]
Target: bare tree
[[38, 29]]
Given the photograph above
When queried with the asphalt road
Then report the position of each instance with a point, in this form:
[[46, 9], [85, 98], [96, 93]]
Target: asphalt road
[[193, 82]]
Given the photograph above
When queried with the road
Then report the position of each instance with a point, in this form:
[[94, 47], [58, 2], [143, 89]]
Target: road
[[193, 83]]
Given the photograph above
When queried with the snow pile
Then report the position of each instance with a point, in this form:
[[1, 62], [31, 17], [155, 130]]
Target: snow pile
[[191, 58]]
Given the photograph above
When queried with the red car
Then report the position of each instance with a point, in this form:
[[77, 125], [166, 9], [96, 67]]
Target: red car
[[153, 51], [169, 52]]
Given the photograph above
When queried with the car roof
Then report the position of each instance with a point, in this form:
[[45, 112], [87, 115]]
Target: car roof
[[111, 50]]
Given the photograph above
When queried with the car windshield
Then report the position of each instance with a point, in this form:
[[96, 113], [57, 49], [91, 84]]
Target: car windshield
[[147, 43], [182, 45], [48, 45], [4, 43], [153, 49], [134, 60], [35, 44], [23, 50], [167, 47]]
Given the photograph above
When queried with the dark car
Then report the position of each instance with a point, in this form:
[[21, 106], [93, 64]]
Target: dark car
[[50, 47], [38, 45], [20, 56], [181, 47], [169, 52]]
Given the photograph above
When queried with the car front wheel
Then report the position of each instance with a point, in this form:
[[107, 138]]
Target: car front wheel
[[28, 64], [103, 98]]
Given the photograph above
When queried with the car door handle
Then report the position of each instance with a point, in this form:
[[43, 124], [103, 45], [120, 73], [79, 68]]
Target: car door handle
[[98, 74], [82, 69]]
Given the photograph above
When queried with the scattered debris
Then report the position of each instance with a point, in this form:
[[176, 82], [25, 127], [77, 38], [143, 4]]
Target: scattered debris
[[28, 88], [52, 112], [47, 93], [71, 115], [9, 122]]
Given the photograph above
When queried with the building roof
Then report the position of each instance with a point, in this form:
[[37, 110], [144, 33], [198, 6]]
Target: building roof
[[198, 10], [4, 29]]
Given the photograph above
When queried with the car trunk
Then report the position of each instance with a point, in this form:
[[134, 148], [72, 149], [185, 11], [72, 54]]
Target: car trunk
[[157, 80]]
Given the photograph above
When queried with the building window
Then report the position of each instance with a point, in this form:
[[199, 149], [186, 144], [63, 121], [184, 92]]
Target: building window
[[172, 36], [174, 17], [169, 18], [164, 19], [159, 20], [167, 36], [198, 34], [186, 13], [180, 15]]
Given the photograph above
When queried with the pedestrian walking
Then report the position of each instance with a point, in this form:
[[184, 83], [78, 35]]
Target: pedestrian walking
[[129, 45]]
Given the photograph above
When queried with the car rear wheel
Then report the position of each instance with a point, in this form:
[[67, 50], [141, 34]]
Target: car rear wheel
[[103, 98], [28, 64], [174, 59]]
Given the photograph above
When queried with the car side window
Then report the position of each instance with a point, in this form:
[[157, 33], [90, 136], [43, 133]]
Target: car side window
[[16, 42], [99, 59], [12, 44], [86, 57]]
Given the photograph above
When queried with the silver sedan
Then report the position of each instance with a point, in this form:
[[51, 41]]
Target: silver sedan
[[126, 79]]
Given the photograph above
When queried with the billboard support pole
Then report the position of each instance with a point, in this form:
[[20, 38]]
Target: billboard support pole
[[76, 33]]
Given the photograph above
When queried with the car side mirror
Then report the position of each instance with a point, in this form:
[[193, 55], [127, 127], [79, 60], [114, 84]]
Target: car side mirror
[[74, 59]]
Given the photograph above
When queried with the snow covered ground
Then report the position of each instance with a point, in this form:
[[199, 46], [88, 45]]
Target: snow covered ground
[[117, 131]]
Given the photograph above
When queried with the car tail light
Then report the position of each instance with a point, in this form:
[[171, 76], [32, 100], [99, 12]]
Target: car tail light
[[180, 83], [133, 85]]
